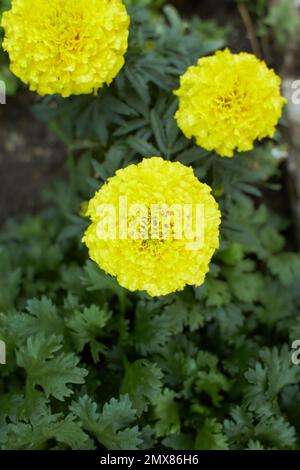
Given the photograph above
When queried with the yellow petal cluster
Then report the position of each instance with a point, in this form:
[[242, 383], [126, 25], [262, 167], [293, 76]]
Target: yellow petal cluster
[[227, 101], [156, 265], [66, 46]]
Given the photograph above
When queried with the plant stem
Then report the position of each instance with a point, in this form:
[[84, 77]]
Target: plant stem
[[245, 15]]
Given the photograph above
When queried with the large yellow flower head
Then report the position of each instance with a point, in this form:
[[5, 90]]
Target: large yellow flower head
[[154, 226], [66, 46], [228, 101]]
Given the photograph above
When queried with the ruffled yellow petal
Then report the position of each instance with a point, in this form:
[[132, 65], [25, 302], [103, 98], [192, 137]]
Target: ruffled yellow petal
[[66, 46], [228, 101], [158, 266]]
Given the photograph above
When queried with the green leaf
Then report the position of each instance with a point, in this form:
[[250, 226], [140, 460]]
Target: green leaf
[[276, 302], [217, 293], [47, 367], [111, 426], [40, 430], [142, 382], [152, 328], [94, 279], [286, 266], [211, 437], [87, 327], [167, 413], [179, 441], [268, 377], [142, 147], [158, 132], [9, 281], [209, 378], [243, 282], [270, 432], [40, 316]]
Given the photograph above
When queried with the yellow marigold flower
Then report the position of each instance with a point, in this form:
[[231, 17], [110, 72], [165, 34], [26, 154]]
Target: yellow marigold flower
[[66, 46], [158, 244], [228, 101]]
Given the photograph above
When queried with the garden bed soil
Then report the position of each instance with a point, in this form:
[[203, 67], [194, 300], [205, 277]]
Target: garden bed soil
[[30, 156]]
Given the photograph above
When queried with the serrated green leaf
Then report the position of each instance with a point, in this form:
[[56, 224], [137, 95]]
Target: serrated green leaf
[[142, 382], [48, 367], [111, 426]]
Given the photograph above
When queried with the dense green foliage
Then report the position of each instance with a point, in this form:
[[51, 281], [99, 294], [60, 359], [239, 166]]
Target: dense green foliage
[[93, 366]]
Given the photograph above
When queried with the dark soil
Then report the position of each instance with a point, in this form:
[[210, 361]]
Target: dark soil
[[29, 157]]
